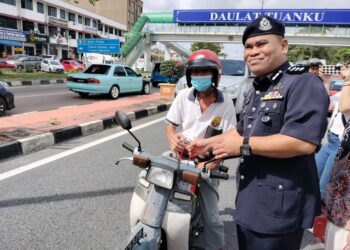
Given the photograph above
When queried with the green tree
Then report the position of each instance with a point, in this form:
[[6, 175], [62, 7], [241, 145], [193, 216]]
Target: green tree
[[172, 68], [331, 55], [215, 47]]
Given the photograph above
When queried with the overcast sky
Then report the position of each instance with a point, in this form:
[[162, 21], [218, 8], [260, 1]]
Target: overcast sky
[[170, 5]]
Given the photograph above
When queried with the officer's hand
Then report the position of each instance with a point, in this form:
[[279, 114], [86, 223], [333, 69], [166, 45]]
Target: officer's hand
[[229, 146], [176, 142]]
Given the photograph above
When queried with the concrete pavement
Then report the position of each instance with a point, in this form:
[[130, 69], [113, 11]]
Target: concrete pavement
[[30, 132]]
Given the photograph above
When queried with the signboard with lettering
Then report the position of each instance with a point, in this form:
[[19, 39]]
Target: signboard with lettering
[[58, 21], [36, 38], [14, 35], [292, 16], [98, 45]]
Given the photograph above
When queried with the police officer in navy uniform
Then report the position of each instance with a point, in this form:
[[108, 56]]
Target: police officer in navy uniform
[[283, 119]]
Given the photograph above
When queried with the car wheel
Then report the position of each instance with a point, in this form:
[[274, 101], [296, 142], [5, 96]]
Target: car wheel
[[20, 67], [146, 89], [83, 94], [3, 106], [114, 92]]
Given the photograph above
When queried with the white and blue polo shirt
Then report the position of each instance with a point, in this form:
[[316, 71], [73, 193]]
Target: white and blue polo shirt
[[186, 112]]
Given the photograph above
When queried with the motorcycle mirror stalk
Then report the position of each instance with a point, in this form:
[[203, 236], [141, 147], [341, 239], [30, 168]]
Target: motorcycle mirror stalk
[[124, 121]]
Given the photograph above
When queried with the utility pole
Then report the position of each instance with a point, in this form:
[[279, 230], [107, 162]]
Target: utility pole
[[262, 3]]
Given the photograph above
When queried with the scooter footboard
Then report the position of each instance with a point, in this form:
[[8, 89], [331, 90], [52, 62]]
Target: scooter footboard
[[176, 226]]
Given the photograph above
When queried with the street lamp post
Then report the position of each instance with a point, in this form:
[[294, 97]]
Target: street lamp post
[[262, 3]]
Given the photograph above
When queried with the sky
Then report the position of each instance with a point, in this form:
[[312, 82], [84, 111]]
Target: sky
[[236, 50], [170, 5]]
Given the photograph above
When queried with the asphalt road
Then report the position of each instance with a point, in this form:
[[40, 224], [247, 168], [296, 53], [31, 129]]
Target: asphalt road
[[72, 196], [52, 96]]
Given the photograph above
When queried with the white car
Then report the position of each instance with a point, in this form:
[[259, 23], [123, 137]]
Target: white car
[[48, 65], [235, 81]]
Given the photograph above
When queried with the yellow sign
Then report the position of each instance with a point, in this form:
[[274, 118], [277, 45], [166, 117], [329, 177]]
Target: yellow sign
[[18, 49]]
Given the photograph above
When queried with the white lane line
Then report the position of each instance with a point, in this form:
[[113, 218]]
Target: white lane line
[[29, 96], [56, 157]]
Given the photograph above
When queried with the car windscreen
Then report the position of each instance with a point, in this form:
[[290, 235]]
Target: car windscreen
[[98, 69], [336, 85], [232, 67], [54, 63]]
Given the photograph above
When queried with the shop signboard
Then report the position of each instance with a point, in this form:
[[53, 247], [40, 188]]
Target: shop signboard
[[11, 34], [37, 38]]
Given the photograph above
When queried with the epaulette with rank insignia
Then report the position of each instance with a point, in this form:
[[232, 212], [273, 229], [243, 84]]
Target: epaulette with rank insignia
[[297, 70]]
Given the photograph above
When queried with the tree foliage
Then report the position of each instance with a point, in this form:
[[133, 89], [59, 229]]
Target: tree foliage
[[215, 47], [172, 68], [331, 55]]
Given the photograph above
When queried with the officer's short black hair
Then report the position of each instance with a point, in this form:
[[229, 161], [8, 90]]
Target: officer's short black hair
[[263, 25]]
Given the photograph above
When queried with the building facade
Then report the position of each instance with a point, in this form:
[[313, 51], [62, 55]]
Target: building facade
[[52, 27], [123, 11]]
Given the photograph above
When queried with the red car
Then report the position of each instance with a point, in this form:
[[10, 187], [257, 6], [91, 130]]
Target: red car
[[72, 65], [335, 86], [5, 65]]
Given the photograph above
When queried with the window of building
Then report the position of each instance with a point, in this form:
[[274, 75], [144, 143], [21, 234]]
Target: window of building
[[28, 26], [116, 32], [27, 4], [40, 7], [80, 35], [106, 29], [71, 17], [12, 2], [41, 28], [53, 31], [87, 21], [100, 27], [8, 22], [72, 34], [87, 36], [63, 32], [62, 14], [80, 19], [51, 11], [94, 23], [110, 30]]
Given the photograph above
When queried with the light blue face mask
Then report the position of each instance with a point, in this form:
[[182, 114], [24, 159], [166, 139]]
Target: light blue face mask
[[201, 83]]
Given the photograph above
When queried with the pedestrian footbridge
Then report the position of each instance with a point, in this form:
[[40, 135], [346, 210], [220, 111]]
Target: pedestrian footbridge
[[159, 27]]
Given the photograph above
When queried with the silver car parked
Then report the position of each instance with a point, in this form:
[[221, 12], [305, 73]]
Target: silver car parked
[[27, 62]]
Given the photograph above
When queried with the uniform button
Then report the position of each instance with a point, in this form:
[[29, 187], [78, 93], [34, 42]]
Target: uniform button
[[241, 160], [257, 92], [242, 177], [253, 109], [267, 109], [249, 126], [280, 187], [263, 105]]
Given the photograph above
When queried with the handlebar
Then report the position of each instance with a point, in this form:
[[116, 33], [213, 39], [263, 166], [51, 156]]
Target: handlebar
[[215, 175], [128, 146]]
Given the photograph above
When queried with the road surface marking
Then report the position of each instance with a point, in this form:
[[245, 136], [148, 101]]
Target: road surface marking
[[52, 158]]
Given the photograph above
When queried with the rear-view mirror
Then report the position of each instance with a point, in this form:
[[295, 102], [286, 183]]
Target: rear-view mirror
[[123, 120]]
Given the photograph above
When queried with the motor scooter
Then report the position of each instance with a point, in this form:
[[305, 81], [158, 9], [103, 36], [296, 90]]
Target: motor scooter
[[164, 210]]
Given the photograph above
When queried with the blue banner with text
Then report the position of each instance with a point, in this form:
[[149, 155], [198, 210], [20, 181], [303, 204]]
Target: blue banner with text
[[295, 16]]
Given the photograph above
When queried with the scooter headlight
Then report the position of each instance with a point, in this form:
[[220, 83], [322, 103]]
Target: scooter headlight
[[161, 177]]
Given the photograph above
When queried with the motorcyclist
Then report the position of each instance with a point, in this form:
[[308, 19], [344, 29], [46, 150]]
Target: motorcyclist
[[202, 111]]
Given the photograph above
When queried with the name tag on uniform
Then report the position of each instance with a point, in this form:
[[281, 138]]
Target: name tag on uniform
[[274, 95]]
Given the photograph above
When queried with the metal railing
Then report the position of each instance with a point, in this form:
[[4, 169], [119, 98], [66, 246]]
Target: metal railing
[[136, 51]]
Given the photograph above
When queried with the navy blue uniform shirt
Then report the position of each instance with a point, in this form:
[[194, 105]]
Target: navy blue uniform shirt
[[281, 195]]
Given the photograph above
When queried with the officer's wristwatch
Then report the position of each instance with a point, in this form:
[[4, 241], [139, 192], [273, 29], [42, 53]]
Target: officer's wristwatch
[[245, 149]]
